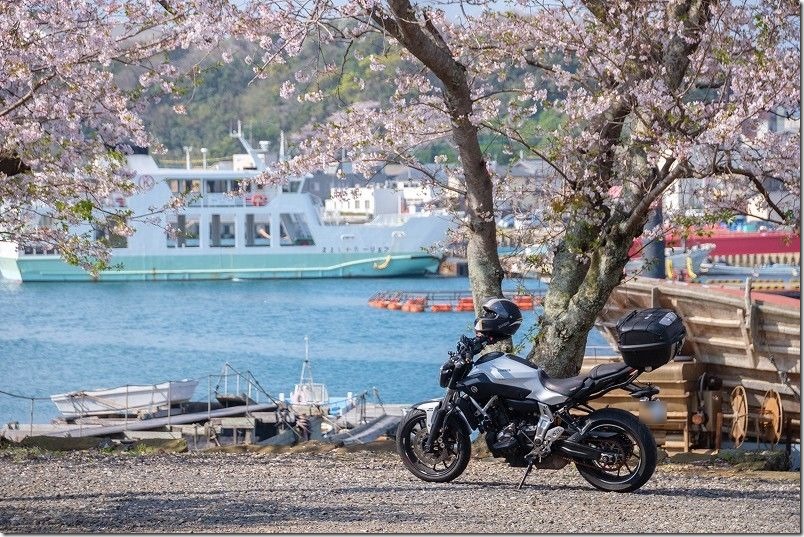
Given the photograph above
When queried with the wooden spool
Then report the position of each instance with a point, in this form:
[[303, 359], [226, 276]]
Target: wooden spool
[[770, 418], [739, 416]]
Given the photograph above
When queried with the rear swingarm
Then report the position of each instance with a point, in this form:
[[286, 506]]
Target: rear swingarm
[[576, 450]]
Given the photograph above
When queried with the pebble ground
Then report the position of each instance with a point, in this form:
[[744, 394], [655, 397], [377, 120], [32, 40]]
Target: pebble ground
[[370, 491]]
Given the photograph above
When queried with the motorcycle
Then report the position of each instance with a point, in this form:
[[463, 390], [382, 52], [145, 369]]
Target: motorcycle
[[533, 420]]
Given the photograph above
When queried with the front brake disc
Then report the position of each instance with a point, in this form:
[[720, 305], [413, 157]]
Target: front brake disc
[[439, 454]]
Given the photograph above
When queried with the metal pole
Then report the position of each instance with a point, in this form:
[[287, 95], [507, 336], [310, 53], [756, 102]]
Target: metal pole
[[209, 397], [126, 422], [653, 265], [32, 413], [169, 402]]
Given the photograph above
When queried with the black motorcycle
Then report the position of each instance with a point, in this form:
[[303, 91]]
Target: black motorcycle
[[532, 420]]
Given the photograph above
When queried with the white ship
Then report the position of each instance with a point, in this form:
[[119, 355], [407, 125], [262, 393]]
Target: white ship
[[270, 232]]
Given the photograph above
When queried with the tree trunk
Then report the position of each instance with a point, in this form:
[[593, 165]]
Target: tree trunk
[[575, 297], [423, 40]]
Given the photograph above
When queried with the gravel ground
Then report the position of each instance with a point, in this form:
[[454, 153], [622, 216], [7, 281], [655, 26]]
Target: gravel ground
[[370, 491]]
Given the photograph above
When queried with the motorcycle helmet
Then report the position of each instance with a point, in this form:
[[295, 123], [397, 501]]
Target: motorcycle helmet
[[500, 318]]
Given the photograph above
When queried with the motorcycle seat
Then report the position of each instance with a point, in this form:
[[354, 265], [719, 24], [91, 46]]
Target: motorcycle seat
[[570, 385]]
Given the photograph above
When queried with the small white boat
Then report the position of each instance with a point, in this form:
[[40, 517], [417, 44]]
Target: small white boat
[[124, 400]]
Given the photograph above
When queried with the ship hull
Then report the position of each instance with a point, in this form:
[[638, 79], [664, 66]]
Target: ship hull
[[224, 267]]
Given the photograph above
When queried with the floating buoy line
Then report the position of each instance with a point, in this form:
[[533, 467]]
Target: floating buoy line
[[442, 301]]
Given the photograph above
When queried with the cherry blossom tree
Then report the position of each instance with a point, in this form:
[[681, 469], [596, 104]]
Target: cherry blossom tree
[[649, 94], [66, 123], [646, 94]]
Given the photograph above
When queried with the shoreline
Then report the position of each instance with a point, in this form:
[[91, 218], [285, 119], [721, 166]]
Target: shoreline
[[366, 489]]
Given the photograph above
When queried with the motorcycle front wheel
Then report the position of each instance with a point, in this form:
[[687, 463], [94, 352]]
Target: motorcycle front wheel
[[449, 456], [629, 451]]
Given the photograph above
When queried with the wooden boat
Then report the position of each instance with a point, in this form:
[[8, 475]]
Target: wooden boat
[[749, 340], [124, 400]]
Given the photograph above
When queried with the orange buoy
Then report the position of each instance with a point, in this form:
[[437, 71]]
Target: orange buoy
[[394, 305], [465, 304], [441, 307], [524, 302], [416, 308]]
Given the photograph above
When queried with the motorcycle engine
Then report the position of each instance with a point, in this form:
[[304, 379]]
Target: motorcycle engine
[[509, 438], [512, 439]]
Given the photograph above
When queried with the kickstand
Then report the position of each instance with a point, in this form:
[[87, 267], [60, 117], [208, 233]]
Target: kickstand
[[527, 471]]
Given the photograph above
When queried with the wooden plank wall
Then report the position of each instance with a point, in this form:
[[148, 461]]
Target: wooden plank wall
[[745, 338]]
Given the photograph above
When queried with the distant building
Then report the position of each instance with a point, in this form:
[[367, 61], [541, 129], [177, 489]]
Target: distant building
[[363, 202], [688, 195]]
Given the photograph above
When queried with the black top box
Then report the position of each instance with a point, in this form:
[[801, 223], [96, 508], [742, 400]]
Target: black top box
[[649, 338]]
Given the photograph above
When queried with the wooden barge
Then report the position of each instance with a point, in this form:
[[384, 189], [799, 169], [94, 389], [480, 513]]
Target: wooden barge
[[740, 369]]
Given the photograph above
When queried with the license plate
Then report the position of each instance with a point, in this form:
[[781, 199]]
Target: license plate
[[653, 411]]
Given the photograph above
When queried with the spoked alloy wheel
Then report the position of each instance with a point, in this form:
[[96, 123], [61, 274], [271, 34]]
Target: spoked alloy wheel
[[629, 452], [449, 456]]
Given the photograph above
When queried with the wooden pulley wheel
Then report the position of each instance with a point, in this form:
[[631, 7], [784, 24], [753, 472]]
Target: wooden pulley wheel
[[739, 416], [769, 419]]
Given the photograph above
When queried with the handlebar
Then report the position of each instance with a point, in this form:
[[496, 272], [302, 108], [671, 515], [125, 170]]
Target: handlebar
[[468, 347]]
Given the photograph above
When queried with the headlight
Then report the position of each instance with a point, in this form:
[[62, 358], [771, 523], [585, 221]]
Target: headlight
[[446, 373]]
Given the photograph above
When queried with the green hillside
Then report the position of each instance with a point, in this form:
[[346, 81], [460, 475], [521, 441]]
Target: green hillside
[[221, 94]]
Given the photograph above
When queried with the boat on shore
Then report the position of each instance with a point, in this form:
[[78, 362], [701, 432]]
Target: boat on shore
[[747, 343], [128, 400], [222, 232]]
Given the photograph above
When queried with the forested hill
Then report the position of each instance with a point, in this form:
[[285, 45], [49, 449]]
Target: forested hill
[[227, 92]]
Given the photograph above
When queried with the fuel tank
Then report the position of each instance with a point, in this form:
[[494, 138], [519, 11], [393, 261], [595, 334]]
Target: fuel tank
[[508, 376]]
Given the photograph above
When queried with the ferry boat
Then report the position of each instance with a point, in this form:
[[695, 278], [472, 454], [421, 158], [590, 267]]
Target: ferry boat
[[267, 232]]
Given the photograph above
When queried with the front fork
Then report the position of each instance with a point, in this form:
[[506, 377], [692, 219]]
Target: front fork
[[439, 417]]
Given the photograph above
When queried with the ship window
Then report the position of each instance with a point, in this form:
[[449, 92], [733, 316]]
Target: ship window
[[220, 186], [291, 186], [105, 235], [294, 230], [222, 231], [183, 231], [184, 186], [258, 230]]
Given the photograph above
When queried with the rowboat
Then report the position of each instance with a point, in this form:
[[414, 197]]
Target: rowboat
[[130, 399]]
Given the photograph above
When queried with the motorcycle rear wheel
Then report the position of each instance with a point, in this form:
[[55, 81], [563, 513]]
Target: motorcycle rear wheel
[[630, 446], [450, 454]]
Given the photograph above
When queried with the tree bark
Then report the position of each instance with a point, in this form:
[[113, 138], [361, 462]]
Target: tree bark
[[581, 285], [423, 40]]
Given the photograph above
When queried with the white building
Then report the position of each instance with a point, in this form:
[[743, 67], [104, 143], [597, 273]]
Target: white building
[[364, 202], [416, 195]]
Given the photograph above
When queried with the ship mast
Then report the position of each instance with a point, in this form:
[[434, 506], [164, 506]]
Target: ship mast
[[307, 371]]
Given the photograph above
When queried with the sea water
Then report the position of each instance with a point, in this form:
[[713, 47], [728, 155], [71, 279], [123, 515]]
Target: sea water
[[61, 337]]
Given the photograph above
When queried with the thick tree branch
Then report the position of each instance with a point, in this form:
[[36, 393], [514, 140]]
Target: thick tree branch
[[632, 226]]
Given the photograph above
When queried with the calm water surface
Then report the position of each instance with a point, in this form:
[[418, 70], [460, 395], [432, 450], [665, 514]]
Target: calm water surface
[[61, 337]]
